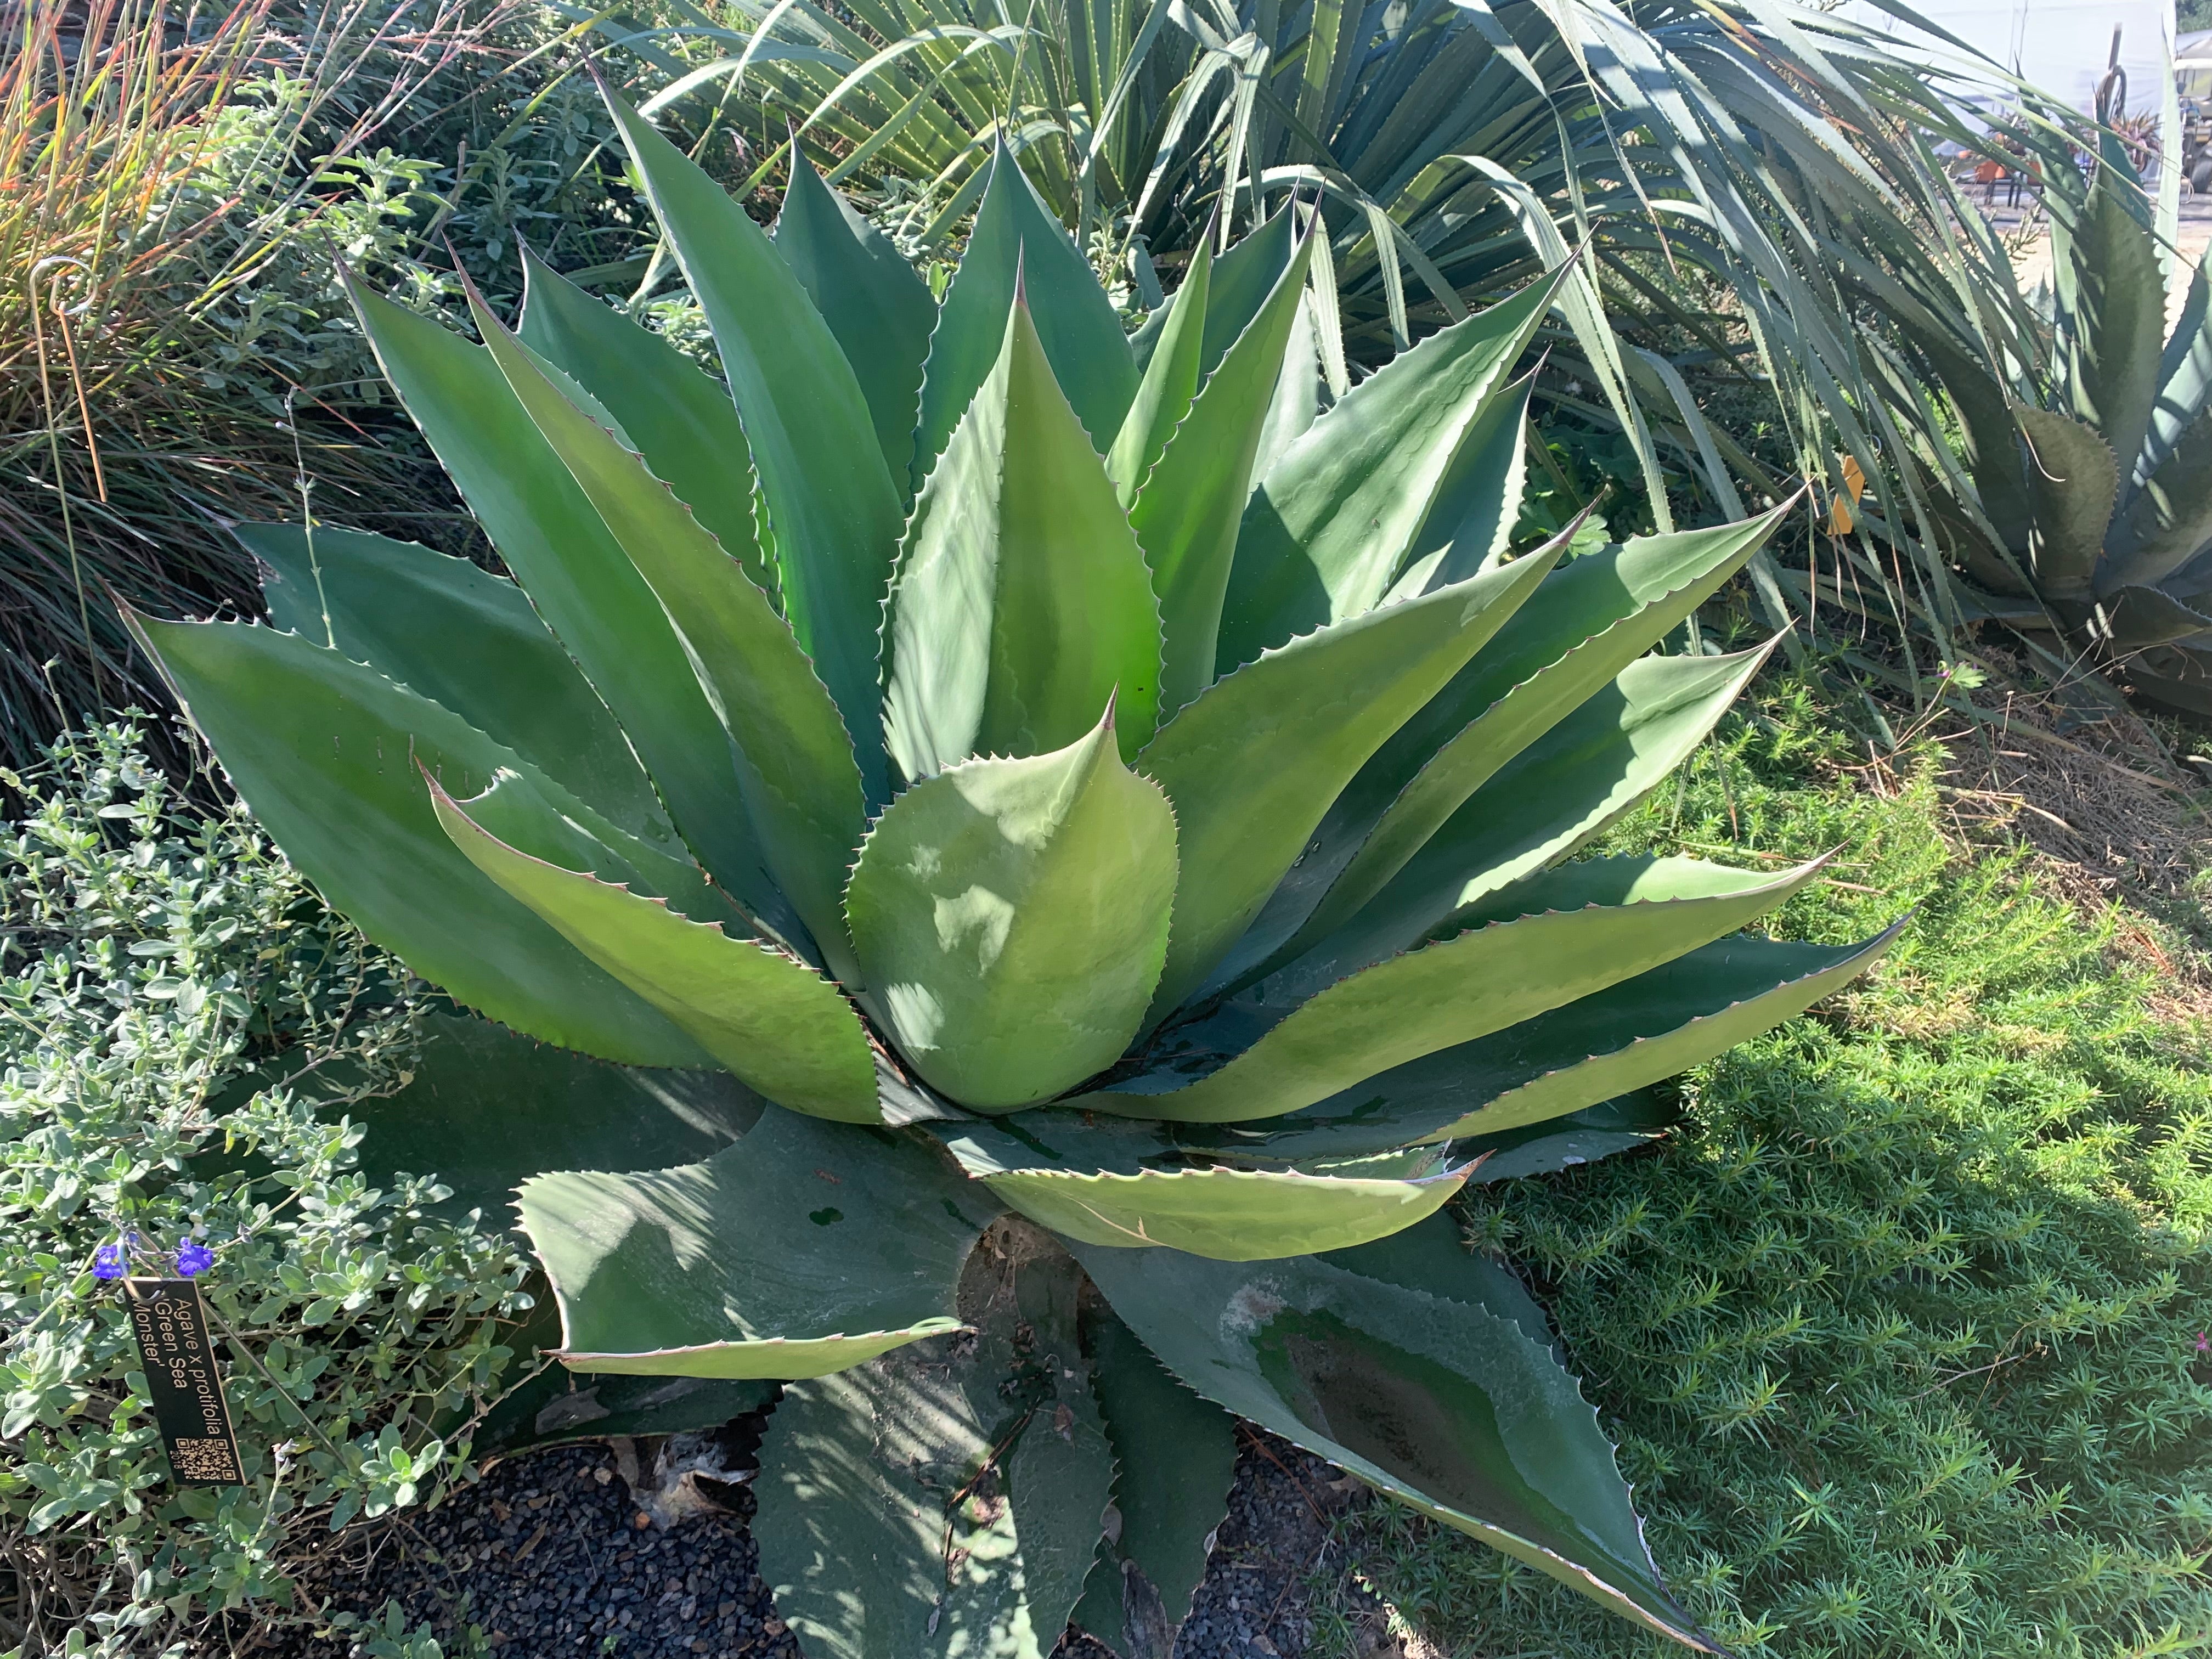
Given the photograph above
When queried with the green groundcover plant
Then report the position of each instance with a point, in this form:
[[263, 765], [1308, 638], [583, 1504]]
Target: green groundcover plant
[[1108, 816], [183, 1027]]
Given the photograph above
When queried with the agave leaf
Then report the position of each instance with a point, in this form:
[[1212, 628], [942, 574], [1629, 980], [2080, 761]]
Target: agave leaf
[[1170, 382], [1189, 510], [1566, 1143], [464, 638], [557, 1407], [1016, 242], [1174, 1456], [768, 1018], [578, 579], [1253, 764], [794, 759], [2136, 617], [2118, 315], [1471, 521], [881, 312], [682, 423], [1560, 791], [1330, 527], [2072, 482], [1654, 1026], [1453, 989], [1579, 630], [324, 751], [831, 504], [943, 1502], [1022, 603], [2184, 377], [693, 1271], [1446, 1405], [1432, 1257], [1243, 278], [487, 1107], [2169, 521], [1236, 1215], [1296, 398], [1012, 915]]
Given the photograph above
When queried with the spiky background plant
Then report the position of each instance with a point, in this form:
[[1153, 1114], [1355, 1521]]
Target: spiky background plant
[[2090, 505], [1135, 887]]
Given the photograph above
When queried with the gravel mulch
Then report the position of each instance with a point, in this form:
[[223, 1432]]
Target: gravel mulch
[[550, 1554]]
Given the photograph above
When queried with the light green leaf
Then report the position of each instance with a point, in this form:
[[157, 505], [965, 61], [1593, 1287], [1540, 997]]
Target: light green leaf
[[1472, 519], [881, 312], [324, 751], [1453, 989], [1016, 243], [1022, 603], [1170, 382], [699, 1271], [794, 759], [682, 423], [578, 579], [2072, 483], [1244, 277], [831, 505], [1253, 764], [1174, 1456], [464, 638], [1330, 527], [2119, 316], [1190, 507], [1236, 1215], [768, 1018], [1012, 915], [1446, 1405]]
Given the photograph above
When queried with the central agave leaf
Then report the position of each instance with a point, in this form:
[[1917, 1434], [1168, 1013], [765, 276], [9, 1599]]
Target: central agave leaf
[[1105, 812]]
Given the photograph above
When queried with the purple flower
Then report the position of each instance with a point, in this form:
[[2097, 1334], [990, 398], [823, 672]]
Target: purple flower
[[194, 1258], [109, 1262], [2203, 1343]]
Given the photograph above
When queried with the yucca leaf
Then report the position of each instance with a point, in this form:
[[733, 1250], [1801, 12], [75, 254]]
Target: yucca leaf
[[1560, 791], [1189, 508], [1170, 382], [881, 312], [1022, 603], [682, 423], [464, 638], [1013, 916], [1443, 992], [691, 1272], [765, 1016], [1343, 1363], [577, 577], [1330, 527], [1174, 1456], [795, 765], [1016, 242], [2072, 483], [324, 751], [832, 508], [1255, 762], [1234, 1215], [943, 1503]]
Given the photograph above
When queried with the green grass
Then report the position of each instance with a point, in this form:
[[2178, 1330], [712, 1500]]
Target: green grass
[[1897, 1335]]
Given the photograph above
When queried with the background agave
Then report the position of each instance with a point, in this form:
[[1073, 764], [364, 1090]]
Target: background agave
[[2090, 500], [1140, 921]]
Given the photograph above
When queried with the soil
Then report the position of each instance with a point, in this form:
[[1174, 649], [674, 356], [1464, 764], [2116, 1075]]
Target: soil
[[554, 1554]]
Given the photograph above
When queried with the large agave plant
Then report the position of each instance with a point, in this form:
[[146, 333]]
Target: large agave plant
[[2091, 501], [1135, 889]]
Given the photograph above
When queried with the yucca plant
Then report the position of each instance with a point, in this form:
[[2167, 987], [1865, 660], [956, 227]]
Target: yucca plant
[[2087, 506], [1110, 813]]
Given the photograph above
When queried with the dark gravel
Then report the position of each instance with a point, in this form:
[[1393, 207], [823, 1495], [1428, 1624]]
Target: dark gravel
[[549, 1555]]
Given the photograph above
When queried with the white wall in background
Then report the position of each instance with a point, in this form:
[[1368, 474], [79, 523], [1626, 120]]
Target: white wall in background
[[2060, 46]]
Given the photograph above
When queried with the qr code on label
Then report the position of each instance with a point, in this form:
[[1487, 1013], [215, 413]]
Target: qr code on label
[[204, 1460]]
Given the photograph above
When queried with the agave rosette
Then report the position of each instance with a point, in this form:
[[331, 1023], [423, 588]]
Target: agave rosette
[[1063, 841]]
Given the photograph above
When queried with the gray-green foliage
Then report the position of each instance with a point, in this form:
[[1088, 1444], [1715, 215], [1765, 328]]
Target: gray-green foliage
[[2090, 504], [925, 734], [176, 1010]]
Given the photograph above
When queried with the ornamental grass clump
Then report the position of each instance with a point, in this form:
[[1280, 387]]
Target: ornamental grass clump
[[1105, 812]]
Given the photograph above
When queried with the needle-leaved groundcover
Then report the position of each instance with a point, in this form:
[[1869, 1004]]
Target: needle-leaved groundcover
[[1106, 819]]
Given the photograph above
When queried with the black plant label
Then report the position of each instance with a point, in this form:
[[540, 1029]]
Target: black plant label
[[171, 1324]]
